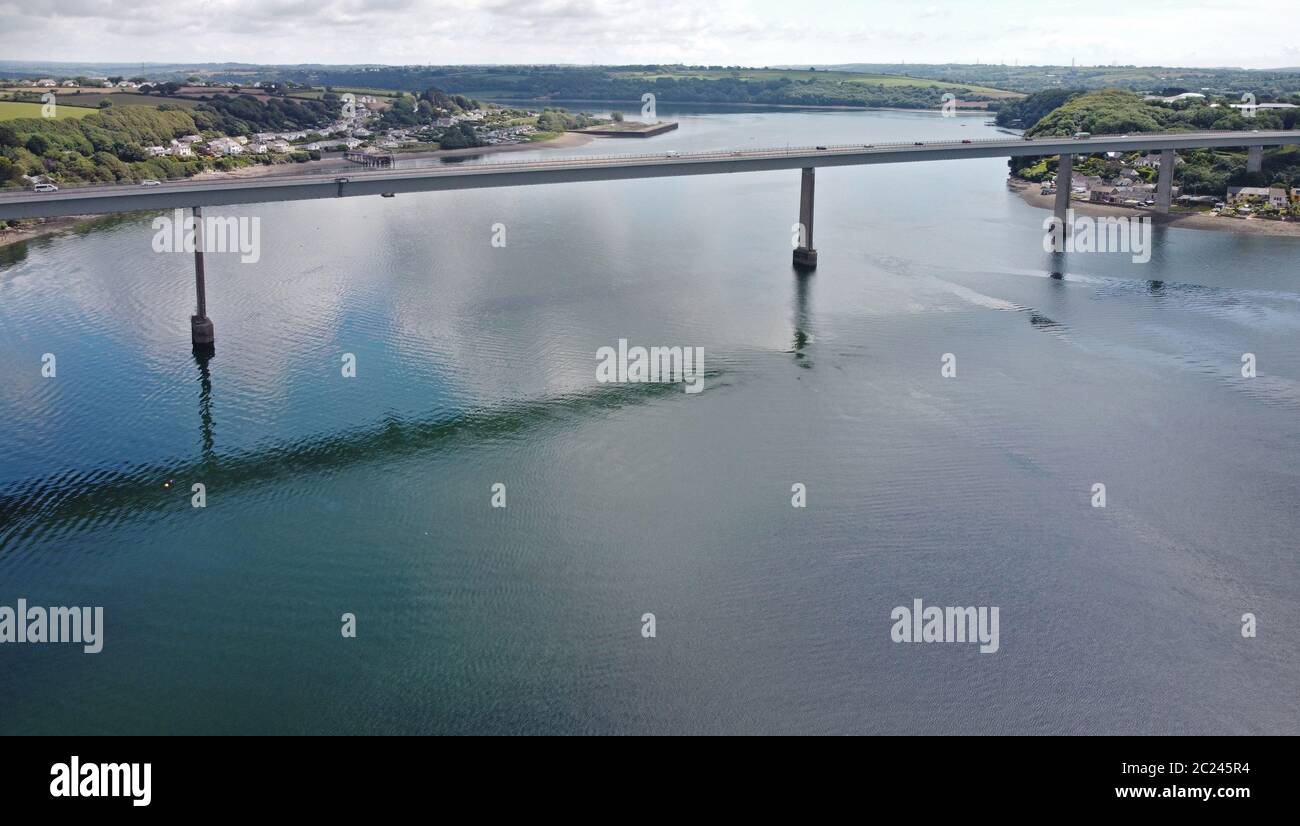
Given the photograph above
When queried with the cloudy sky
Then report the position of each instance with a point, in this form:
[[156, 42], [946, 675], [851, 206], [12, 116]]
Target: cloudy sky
[[1249, 33]]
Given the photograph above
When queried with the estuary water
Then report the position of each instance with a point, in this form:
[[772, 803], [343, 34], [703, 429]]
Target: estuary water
[[475, 365]]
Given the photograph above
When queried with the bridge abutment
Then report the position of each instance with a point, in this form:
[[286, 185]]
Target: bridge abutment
[[1254, 158], [1165, 182], [805, 255], [202, 333]]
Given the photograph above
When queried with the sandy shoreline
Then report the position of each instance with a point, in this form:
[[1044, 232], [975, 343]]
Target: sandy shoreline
[[41, 228], [1030, 194], [52, 226]]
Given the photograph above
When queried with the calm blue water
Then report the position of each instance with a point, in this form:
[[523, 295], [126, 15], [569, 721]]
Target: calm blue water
[[475, 365]]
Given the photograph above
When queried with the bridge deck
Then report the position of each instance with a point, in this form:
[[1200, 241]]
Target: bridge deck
[[95, 199]]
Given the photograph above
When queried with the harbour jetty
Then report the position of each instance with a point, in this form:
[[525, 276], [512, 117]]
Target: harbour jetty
[[629, 129]]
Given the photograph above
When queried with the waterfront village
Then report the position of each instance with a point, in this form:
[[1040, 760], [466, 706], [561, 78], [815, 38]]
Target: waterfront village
[[366, 127], [1128, 180], [358, 129]]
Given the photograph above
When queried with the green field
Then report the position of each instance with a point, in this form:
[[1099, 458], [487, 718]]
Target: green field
[[10, 110], [358, 90], [91, 102]]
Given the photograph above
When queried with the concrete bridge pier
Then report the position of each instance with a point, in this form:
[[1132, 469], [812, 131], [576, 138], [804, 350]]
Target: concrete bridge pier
[[1165, 183], [1064, 178], [1254, 158], [201, 331], [805, 255]]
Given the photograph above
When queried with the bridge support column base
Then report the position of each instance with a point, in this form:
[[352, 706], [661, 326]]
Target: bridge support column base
[[201, 332], [805, 259]]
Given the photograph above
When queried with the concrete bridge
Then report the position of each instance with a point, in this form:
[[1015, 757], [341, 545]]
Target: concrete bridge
[[96, 199]]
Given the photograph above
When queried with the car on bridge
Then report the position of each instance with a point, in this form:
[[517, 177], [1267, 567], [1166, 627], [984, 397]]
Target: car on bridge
[[1081, 136], [45, 188], [150, 182]]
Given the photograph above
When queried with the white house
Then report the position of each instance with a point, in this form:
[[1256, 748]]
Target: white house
[[1275, 196], [1175, 98], [225, 146]]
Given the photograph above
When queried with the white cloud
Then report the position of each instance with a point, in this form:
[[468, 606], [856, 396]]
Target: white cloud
[[748, 32]]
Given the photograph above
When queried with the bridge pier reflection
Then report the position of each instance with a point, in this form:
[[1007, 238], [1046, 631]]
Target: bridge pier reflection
[[208, 440], [802, 320]]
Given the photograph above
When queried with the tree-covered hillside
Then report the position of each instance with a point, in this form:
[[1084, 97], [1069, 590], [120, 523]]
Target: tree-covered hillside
[[1200, 172], [1114, 112], [111, 144], [1027, 112]]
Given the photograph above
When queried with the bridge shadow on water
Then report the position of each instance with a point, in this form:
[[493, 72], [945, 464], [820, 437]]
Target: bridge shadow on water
[[81, 500]]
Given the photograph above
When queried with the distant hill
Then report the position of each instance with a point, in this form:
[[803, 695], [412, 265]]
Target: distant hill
[[669, 83], [1216, 80]]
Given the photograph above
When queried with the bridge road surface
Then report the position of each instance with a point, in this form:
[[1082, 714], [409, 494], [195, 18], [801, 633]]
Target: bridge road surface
[[112, 198]]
